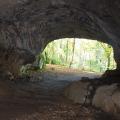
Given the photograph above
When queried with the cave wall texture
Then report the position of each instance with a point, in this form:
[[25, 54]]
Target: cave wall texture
[[27, 26]]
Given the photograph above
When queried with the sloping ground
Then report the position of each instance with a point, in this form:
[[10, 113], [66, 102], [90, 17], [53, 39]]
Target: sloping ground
[[58, 72], [41, 98]]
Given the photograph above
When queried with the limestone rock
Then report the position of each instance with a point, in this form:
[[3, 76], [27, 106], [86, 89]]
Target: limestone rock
[[107, 98], [111, 73], [79, 92], [11, 60]]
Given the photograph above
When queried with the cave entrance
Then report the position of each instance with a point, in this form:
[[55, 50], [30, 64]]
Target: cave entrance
[[81, 54]]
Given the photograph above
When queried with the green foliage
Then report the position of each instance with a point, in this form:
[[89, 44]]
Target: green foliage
[[27, 69], [79, 53], [42, 61]]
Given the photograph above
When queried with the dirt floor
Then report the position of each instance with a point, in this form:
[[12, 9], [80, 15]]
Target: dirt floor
[[41, 98]]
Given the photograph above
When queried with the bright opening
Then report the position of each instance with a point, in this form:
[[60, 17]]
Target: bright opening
[[82, 54]]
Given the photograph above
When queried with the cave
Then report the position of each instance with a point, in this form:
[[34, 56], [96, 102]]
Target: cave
[[27, 26]]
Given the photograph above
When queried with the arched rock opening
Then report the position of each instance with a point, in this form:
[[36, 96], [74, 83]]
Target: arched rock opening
[[26, 27], [83, 54]]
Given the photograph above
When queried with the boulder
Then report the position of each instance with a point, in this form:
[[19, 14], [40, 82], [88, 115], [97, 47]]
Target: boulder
[[85, 92], [79, 92], [107, 97]]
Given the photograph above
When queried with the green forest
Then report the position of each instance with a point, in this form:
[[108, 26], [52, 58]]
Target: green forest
[[81, 54], [86, 55]]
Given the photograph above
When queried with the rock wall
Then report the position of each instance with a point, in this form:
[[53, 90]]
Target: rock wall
[[29, 25]]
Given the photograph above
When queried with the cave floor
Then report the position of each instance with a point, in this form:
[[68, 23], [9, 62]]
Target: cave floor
[[41, 98]]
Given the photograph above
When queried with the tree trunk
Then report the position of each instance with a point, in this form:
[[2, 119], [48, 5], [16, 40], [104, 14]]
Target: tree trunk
[[67, 50], [73, 50]]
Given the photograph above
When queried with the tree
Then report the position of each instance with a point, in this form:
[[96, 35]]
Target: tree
[[73, 50], [107, 51], [67, 47]]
